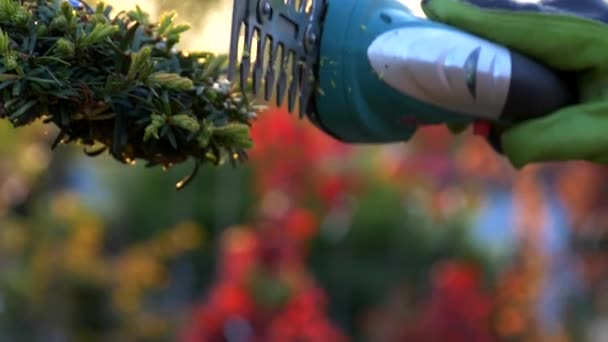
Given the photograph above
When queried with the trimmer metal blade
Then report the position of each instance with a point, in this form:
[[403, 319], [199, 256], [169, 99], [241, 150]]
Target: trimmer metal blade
[[279, 34]]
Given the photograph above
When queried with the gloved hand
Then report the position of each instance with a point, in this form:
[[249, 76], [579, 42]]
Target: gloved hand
[[567, 35]]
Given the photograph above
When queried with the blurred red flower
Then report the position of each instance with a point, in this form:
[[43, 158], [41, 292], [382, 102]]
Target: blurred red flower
[[264, 292], [301, 225], [458, 310], [225, 302], [290, 153], [303, 319]]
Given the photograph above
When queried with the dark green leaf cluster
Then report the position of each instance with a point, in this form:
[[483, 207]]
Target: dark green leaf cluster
[[118, 84]]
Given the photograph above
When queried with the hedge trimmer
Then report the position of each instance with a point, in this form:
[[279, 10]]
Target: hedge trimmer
[[369, 71]]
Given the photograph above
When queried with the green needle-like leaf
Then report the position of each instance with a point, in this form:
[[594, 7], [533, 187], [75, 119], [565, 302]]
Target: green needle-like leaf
[[115, 84]]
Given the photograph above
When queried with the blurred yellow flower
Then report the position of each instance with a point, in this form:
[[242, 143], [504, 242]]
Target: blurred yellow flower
[[126, 299], [148, 326], [83, 250], [42, 268], [13, 238], [140, 269], [35, 158], [65, 206], [184, 237]]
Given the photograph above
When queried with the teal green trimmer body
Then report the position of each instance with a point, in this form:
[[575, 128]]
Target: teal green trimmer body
[[370, 71]]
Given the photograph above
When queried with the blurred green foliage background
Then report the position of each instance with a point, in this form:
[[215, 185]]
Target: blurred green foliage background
[[438, 239]]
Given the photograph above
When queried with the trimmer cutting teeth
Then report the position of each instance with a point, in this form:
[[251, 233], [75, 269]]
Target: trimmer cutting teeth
[[283, 34]]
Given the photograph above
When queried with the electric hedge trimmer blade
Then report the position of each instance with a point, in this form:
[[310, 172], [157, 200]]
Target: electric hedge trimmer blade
[[286, 35]]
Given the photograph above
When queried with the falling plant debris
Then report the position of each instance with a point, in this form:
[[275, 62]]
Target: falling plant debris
[[118, 84]]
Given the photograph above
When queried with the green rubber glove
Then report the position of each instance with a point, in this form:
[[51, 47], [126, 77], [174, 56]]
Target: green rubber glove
[[567, 35]]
